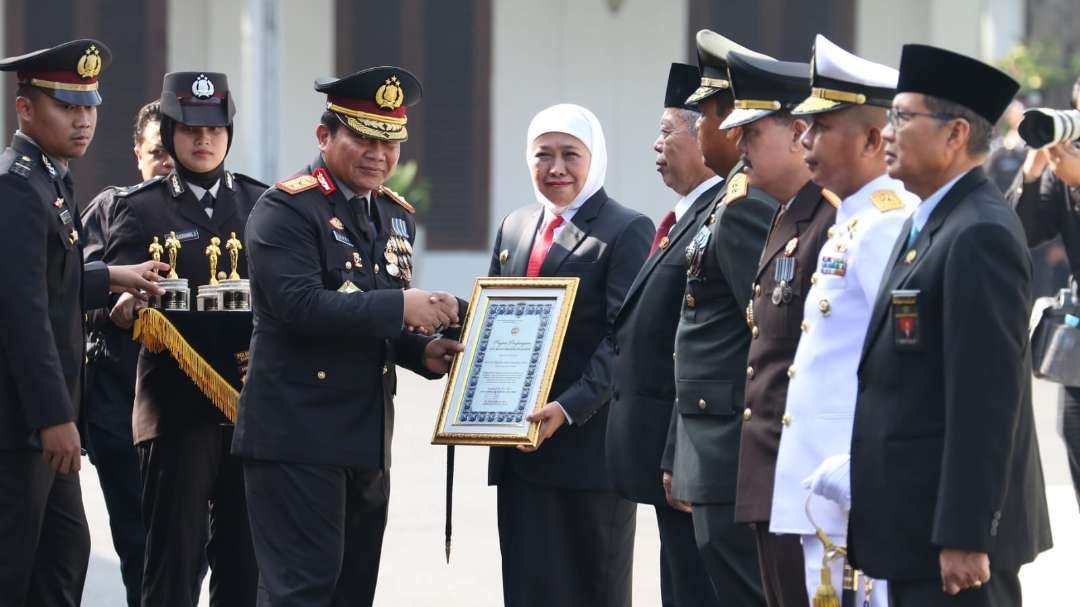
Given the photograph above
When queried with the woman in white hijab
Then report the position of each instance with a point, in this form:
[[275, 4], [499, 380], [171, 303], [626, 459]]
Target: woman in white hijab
[[566, 537]]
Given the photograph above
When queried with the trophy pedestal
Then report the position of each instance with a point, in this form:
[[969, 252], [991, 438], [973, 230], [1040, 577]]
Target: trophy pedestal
[[235, 295], [209, 299], [177, 295]]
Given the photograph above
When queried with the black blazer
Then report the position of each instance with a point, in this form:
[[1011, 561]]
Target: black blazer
[[944, 452], [45, 290], [165, 398], [1047, 208], [644, 389], [604, 245], [321, 378]]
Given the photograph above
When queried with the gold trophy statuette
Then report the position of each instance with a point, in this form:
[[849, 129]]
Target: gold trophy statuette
[[234, 245], [172, 244], [155, 251], [213, 251]]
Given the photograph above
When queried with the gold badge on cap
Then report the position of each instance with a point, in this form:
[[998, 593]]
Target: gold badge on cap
[[90, 63], [390, 96]]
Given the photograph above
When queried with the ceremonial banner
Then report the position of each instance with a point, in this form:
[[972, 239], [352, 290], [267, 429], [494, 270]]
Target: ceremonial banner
[[211, 348], [512, 335]]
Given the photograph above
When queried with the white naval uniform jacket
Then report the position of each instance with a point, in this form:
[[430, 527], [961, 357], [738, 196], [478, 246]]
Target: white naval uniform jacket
[[820, 408]]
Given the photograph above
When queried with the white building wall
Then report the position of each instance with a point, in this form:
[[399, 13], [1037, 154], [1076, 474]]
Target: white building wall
[[557, 51]]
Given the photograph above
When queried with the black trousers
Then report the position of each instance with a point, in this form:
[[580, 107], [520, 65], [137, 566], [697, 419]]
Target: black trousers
[[1070, 431], [117, 463], [683, 579], [43, 533], [187, 476], [780, 558], [1003, 590], [564, 547], [729, 553], [318, 532]]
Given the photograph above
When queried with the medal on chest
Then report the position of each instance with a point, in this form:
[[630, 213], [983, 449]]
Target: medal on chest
[[783, 272], [695, 252]]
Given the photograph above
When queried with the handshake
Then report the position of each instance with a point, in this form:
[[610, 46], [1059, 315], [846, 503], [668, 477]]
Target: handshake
[[429, 312]]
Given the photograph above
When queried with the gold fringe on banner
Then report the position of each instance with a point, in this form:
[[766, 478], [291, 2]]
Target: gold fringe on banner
[[157, 333]]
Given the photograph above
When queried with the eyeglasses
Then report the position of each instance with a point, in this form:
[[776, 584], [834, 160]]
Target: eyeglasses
[[898, 118]]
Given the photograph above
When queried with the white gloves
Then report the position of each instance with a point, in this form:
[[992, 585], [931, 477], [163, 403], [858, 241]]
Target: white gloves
[[832, 480]]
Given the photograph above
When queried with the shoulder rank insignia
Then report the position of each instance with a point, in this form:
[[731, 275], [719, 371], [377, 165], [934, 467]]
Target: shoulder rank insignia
[[392, 195], [886, 200], [323, 179], [22, 166], [175, 185], [229, 181], [300, 183], [131, 189], [737, 189], [831, 197]]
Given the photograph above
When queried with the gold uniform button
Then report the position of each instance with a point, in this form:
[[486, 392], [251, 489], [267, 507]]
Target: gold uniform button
[[814, 278], [321, 375], [804, 326], [690, 301], [376, 268], [701, 404], [754, 332], [757, 290], [672, 356], [348, 265], [747, 414], [385, 369], [786, 420], [664, 242], [825, 307], [791, 371], [749, 373]]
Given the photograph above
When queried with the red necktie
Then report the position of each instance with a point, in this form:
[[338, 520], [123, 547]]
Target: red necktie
[[542, 246], [662, 230]]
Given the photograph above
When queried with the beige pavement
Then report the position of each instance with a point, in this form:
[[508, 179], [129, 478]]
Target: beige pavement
[[414, 571]]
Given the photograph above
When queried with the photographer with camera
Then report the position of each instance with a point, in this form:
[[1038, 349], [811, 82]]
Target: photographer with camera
[[1046, 196]]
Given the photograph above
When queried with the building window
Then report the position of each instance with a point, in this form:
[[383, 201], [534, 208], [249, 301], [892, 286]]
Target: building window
[[448, 46]]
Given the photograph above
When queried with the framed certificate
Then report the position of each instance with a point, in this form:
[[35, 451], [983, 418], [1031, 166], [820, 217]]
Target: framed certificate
[[512, 335]]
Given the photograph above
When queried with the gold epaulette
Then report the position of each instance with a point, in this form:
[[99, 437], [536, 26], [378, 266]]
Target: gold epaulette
[[398, 198], [886, 200], [737, 189], [300, 183], [831, 197]]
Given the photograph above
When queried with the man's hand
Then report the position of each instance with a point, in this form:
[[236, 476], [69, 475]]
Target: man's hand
[[963, 569], [1065, 162], [439, 353], [60, 447], [1034, 164], [677, 504], [551, 418], [832, 480], [429, 312], [139, 279]]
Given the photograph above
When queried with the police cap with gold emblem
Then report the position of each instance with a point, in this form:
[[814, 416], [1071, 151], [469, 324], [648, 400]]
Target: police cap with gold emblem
[[763, 86], [67, 72], [940, 73], [372, 102], [839, 79], [712, 51], [198, 99]]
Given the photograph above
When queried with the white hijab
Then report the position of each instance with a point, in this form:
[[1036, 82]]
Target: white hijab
[[581, 123]]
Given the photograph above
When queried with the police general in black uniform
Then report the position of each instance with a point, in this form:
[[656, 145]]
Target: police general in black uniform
[[46, 543], [183, 439], [330, 254], [947, 494]]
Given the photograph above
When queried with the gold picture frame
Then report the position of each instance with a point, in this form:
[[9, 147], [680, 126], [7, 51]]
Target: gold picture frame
[[520, 324]]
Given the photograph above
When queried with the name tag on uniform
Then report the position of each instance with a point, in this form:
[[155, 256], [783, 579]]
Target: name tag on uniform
[[65, 216], [186, 235], [907, 332], [342, 238]]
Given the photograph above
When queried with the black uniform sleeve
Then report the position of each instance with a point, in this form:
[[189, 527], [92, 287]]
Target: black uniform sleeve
[[667, 460], [593, 389], [127, 243], [1040, 205], [26, 334], [284, 255], [94, 237], [983, 394], [95, 285]]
